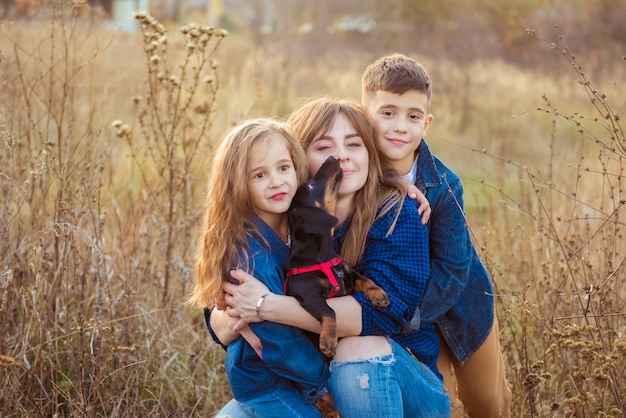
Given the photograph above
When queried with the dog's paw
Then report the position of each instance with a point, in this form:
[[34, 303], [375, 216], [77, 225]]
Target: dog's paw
[[378, 297], [328, 346], [332, 414], [327, 409]]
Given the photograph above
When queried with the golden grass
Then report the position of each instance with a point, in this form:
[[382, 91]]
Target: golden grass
[[99, 219]]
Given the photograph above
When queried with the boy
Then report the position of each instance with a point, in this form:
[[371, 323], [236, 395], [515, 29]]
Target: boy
[[459, 295]]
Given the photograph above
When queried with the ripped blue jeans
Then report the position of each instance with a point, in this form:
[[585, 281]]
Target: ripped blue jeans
[[279, 403], [390, 386]]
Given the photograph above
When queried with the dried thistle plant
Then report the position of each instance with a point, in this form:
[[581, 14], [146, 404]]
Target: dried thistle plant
[[169, 136], [564, 315]]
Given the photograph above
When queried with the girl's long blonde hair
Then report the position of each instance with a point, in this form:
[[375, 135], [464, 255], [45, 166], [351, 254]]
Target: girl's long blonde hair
[[316, 118], [229, 216]]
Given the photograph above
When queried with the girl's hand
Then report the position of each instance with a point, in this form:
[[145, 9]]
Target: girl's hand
[[253, 340], [243, 298], [424, 208], [222, 325]]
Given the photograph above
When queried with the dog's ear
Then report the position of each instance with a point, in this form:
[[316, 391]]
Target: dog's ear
[[312, 220]]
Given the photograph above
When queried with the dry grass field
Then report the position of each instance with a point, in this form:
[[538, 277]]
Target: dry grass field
[[105, 137]]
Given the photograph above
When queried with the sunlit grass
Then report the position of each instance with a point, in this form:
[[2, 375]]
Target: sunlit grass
[[95, 266]]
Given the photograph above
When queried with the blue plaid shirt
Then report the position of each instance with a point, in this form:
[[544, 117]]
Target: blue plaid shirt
[[400, 264]]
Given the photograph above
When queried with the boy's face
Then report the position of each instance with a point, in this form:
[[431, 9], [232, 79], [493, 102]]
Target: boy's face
[[402, 123]]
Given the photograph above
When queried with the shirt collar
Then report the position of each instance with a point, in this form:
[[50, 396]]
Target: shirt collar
[[412, 174]]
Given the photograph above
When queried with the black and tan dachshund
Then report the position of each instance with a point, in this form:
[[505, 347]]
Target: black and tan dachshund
[[314, 271]]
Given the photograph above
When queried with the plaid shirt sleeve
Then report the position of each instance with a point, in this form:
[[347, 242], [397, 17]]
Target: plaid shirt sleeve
[[399, 263]]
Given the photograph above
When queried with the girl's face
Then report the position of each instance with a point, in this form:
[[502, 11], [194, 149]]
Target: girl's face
[[345, 144], [272, 179]]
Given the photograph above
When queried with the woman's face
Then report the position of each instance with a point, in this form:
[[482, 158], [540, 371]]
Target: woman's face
[[345, 144]]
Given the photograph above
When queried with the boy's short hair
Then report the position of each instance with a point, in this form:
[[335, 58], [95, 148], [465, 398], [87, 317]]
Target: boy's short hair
[[397, 74]]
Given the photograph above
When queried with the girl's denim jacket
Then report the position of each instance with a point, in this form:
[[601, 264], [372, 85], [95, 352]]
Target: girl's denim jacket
[[290, 359], [459, 295]]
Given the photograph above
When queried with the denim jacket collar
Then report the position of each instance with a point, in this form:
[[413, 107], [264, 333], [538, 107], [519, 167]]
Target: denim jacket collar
[[277, 247], [428, 176]]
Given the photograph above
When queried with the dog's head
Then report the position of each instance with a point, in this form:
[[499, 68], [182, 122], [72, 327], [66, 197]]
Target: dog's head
[[314, 203]]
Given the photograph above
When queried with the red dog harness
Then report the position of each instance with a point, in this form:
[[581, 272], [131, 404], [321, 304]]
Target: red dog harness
[[325, 267]]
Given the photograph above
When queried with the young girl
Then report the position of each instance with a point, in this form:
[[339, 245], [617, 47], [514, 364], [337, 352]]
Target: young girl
[[381, 236], [254, 176]]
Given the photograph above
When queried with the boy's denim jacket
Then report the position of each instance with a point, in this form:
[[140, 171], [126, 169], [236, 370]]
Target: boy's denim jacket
[[459, 294], [290, 359]]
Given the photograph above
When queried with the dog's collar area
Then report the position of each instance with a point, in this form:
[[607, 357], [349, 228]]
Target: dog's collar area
[[325, 267]]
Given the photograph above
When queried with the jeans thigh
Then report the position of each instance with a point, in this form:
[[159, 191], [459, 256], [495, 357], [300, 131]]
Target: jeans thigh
[[393, 386], [280, 403], [233, 409], [423, 393], [365, 388]]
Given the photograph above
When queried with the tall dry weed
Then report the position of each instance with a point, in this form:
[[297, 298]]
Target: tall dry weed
[[167, 138], [93, 272], [559, 263]]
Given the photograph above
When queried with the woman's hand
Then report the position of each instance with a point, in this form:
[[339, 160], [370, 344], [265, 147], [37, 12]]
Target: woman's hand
[[242, 299], [424, 208]]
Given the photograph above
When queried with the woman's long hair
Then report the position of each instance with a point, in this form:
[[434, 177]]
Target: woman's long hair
[[316, 118], [229, 216]]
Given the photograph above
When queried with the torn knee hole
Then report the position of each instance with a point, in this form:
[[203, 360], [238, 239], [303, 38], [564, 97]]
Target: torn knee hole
[[364, 381]]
